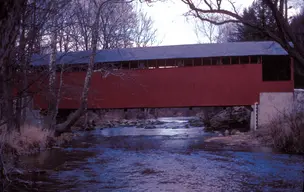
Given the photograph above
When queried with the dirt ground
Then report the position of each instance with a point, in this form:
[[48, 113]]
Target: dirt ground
[[247, 139]]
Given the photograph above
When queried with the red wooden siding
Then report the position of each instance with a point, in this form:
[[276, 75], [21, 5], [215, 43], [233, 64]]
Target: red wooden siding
[[221, 85]]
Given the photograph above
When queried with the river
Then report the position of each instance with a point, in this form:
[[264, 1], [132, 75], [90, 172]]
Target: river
[[168, 158]]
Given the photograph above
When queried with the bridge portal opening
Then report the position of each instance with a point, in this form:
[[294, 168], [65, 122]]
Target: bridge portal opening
[[276, 68]]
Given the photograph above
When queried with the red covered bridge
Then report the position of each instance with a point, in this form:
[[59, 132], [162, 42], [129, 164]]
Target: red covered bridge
[[228, 74]]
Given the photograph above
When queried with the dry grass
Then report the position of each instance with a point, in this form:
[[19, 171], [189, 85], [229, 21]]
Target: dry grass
[[30, 139], [286, 132], [244, 140]]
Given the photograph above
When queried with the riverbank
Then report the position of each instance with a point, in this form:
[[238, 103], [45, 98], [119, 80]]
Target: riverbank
[[29, 140], [243, 142], [161, 159]]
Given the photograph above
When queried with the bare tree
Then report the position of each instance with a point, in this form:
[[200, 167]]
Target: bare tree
[[10, 21], [285, 37], [113, 26], [206, 30], [210, 31], [46, 27], [84, 97], [49, 120], [144, 34], [117, 23]]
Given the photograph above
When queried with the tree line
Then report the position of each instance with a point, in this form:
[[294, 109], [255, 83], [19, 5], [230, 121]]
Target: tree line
[[50, 26]]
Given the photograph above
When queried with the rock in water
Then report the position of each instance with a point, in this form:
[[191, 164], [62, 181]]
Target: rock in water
[[157, 122], [150, 127], [140, 126], [233, 132], [238, 133], [196, 123], [229, 118], [226, 132]]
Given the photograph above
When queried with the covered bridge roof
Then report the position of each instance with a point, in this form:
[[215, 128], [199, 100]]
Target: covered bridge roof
[[167, 52]]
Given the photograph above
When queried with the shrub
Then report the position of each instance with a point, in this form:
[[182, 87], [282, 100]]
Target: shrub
[[13, 143], [30, 139], [287, 132]]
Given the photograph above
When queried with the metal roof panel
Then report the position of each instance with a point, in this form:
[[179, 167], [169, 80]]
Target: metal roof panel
[[167, 52]]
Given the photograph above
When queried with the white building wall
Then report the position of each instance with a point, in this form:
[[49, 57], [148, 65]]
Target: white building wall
[[273, 104]]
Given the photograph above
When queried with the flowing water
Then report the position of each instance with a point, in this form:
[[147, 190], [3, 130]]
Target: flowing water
[[168, 158]]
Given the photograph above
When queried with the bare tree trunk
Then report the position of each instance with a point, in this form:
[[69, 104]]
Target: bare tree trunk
[[59, 90], [10, 23], [60, 40], [281, 6], [66, 43], [66, 126], [22, 66], [286, 10], [24, 100], [7, 97], [50, 119], [85, 121]]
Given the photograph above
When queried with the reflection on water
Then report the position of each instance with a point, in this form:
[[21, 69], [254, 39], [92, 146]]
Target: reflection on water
[[133, 131], [162, 159], [174, 120]]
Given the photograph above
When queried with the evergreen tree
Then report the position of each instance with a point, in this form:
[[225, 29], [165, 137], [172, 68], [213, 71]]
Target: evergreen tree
[[257, 14], [297, 27]]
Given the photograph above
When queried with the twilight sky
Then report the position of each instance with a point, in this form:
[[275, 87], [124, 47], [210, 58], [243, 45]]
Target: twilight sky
[[173, 28]]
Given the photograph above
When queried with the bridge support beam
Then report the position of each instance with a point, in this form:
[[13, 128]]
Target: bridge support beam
[[274, 105]]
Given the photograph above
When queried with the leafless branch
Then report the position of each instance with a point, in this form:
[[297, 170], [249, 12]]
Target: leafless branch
[[284, 38]]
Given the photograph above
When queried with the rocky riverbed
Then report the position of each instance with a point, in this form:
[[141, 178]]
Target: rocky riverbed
[[226, 121]]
